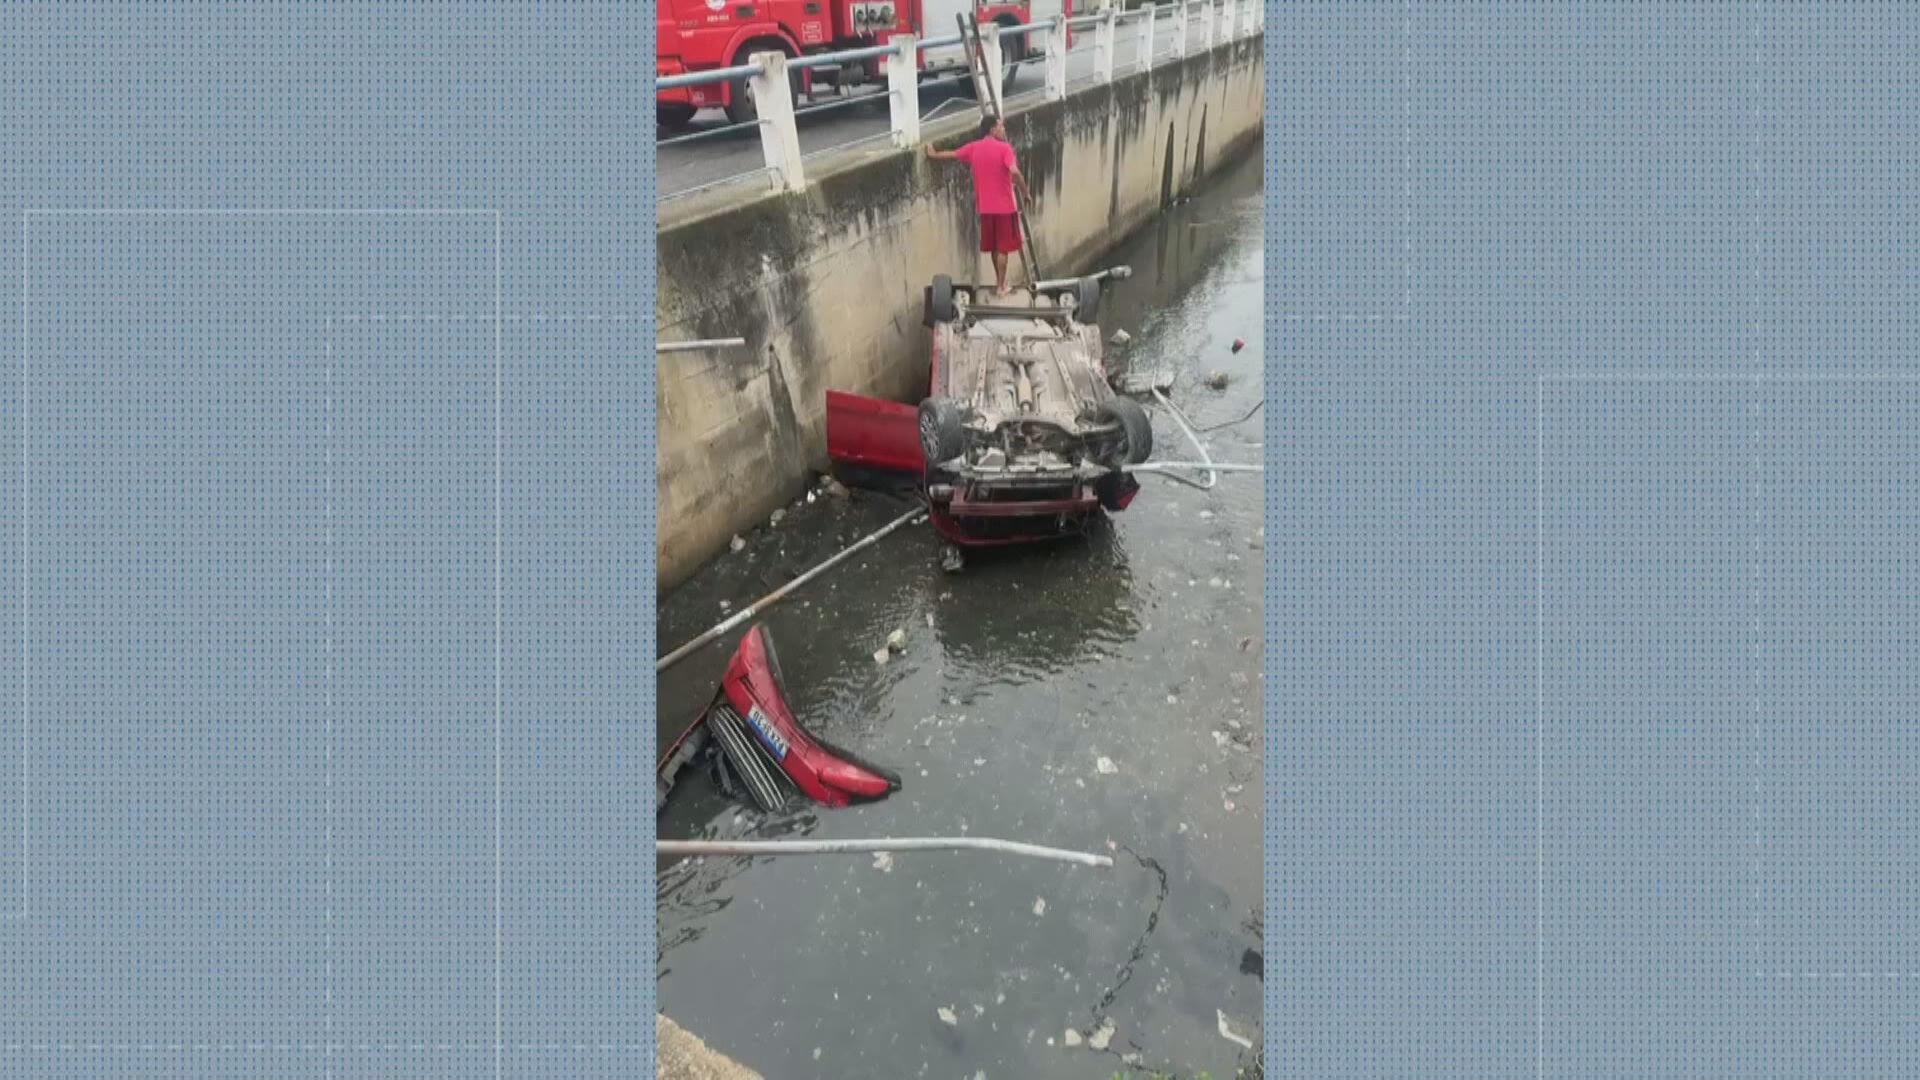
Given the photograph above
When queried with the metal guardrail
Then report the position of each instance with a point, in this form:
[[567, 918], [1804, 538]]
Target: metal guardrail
[[766, 74]]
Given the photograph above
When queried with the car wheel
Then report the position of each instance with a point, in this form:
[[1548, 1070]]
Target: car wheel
[[940, 430], [940, 305], [1086, 297], [1134, 426]]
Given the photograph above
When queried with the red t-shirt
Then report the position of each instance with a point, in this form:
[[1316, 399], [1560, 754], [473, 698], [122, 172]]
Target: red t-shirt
[[992, 162]]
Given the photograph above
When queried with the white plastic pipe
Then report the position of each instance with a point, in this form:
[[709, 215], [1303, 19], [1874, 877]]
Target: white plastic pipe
[[691, 346], [858, 847], [774, 597], [1195, 466], [1181, 419]]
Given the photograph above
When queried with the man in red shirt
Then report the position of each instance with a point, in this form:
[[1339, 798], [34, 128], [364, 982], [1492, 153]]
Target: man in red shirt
[[994, 177]]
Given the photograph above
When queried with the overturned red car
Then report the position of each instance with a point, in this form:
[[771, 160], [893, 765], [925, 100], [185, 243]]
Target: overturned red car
[[1020, 437]]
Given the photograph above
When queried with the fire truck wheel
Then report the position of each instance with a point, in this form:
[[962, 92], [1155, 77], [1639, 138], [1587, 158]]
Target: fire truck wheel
[[740, 106], [1134, 423], [1013, 49], [675, 115], [940, 430]]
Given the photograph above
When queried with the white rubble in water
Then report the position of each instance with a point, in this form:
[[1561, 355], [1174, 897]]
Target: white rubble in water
[[946, 1016], [1227, 1032], [737, 543], [778, 516], [1040, 905], [1106, 766], [1102, 1035], [897, 639], [882, 655], [1072, 1037], [883, 861]]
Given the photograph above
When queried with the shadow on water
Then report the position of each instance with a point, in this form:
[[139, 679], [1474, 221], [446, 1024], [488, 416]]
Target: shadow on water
[[1020, 615]]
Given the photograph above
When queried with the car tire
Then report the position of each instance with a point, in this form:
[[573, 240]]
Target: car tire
[[1086, 298], [941, 433], [674, 115], [940, 305], [1134, 425]]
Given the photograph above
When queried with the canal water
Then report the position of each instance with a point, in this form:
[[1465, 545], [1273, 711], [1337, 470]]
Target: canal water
[[1101, 694]]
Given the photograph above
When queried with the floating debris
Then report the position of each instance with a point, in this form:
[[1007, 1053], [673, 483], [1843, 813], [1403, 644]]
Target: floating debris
[[947, 1017], [882, 655], [1040, 905], [883, 861], [1102, 1035], [1218, 380], [1106, 766], [897, 639], [738, 544], [1227, 1032], [1071, 1038]]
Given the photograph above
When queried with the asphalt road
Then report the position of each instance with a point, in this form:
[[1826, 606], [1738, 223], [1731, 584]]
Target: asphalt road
[[683, 166]]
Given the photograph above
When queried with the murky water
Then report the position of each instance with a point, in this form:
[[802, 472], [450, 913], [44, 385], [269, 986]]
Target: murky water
[[1140, 644]]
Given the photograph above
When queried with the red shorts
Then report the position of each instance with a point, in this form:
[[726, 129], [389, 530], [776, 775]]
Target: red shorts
[[1000, 233]]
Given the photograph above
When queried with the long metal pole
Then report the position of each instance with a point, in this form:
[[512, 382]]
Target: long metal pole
[[857, 847], [774, 597]]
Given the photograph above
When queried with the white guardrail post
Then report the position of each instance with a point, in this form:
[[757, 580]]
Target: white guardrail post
[[779, 136], [1247, 8], [1103, 38], [996, 66], [1057, 59], [903, 90], [1180, 29], [1148, 16], [1206, 25]]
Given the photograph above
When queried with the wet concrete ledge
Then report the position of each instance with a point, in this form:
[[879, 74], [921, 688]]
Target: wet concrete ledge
[[826, 285], [680, 1055]]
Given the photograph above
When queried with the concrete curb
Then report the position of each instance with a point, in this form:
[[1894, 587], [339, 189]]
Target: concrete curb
[[680, 1055]]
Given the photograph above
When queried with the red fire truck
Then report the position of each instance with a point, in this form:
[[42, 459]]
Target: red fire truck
[[696, 35]]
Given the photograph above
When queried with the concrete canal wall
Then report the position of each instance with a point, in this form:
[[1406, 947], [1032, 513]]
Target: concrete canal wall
[[825, 285]]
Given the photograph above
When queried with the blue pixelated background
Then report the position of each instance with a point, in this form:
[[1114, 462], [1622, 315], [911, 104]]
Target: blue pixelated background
[[326, 545], [1593, 605]]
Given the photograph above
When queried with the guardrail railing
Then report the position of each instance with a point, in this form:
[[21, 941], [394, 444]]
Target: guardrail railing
[[768, 75]]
